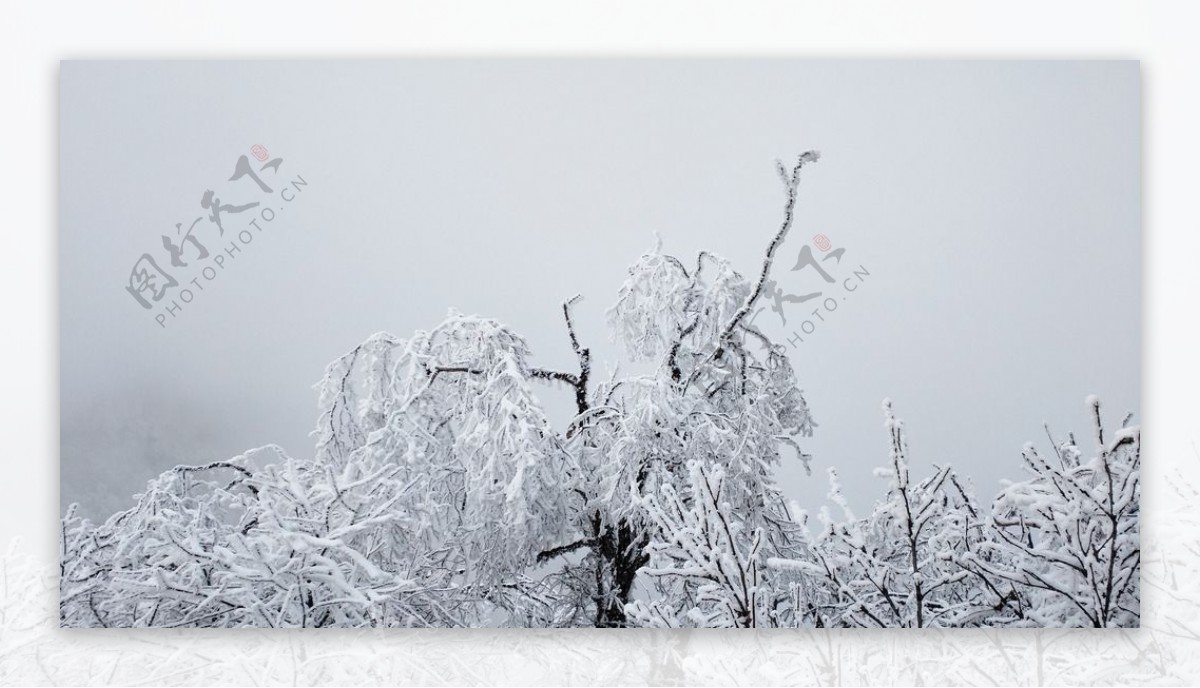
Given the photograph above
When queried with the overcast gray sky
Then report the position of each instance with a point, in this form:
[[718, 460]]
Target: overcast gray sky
[[996, 206]]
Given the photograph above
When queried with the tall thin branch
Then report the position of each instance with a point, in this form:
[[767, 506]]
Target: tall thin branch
[[791, 184]]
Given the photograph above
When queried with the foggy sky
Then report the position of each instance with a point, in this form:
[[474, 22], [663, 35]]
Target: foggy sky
[[995, 205]]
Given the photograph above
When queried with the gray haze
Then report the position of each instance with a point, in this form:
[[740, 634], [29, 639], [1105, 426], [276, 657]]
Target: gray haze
[[995, 205]]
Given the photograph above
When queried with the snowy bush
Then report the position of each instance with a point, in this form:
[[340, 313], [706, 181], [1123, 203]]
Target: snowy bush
[[1068, 535]]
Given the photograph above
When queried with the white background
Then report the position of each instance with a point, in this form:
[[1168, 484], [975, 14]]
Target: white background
[[34, 37]]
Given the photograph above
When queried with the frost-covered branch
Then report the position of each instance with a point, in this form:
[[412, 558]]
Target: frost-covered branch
[[791, 183], [702, 542]]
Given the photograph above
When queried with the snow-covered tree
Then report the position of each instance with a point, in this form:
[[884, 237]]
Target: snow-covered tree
[[1069, 534], [722, 394], [287, 543], [1059, 549], [440, 494], [898, 567], [454, 409]]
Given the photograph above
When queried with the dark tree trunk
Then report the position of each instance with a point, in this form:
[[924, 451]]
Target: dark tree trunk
[[620, 552]]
